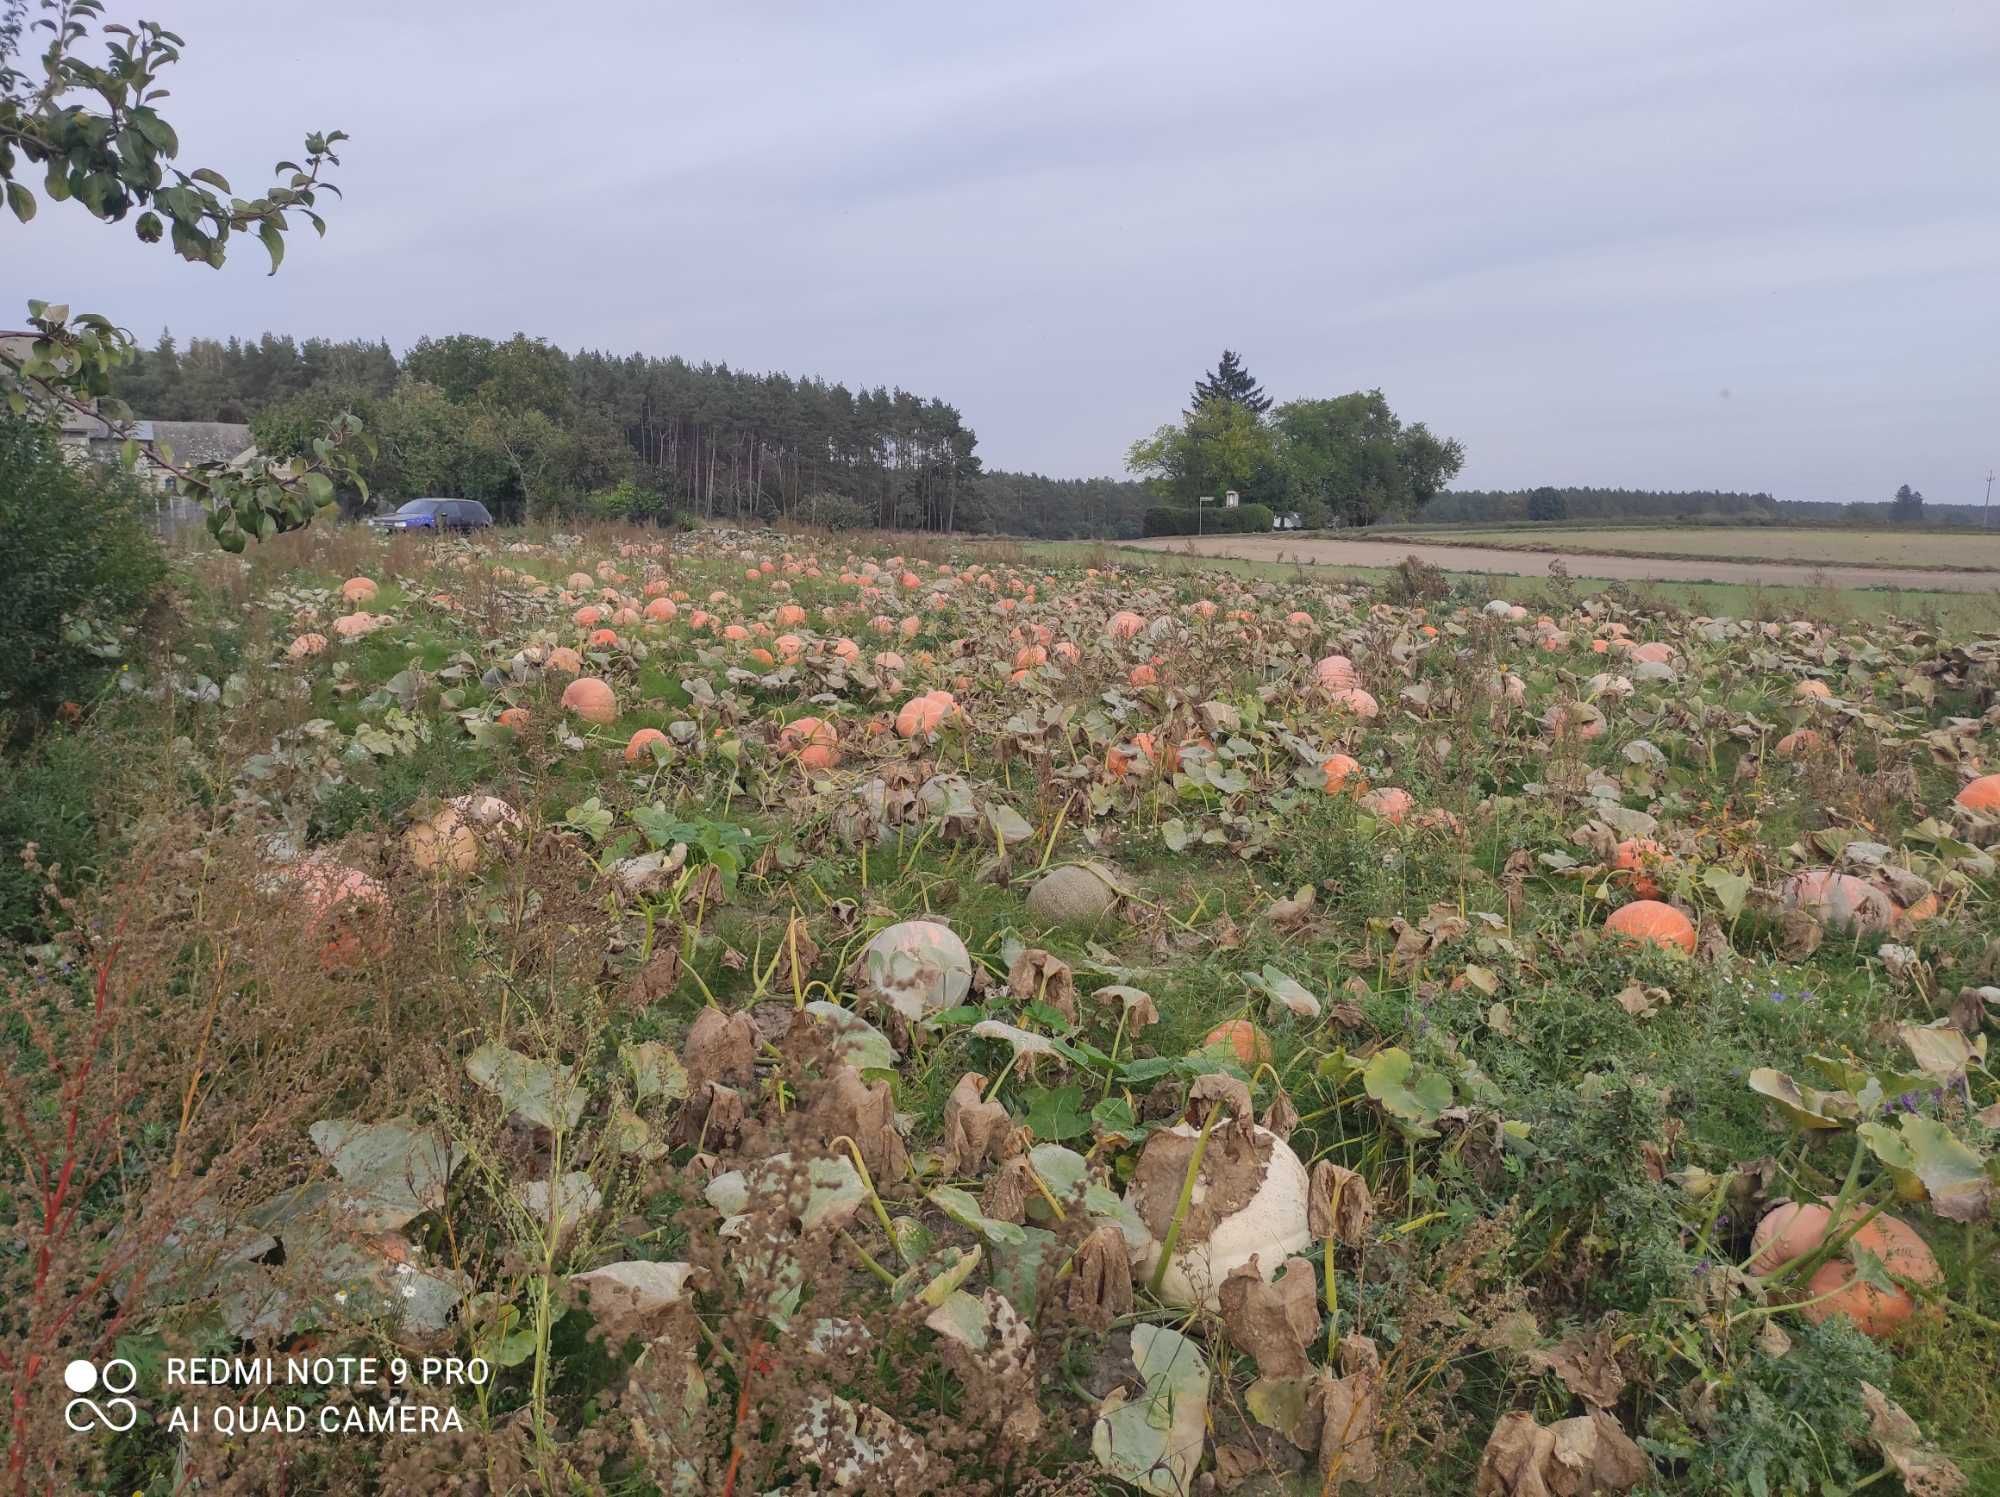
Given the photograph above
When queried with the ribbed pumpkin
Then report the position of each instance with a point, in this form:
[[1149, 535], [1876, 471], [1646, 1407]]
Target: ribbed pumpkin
[[1124, 625], [1354, 699], [813, 741], [925, 714], [1335, 673], [591, 699], [1791, 1230], [306, 645], [358, 590], [1839, 901], [1649, 921]]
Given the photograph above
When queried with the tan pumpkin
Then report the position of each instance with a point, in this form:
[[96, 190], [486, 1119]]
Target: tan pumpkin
[[591, 699]]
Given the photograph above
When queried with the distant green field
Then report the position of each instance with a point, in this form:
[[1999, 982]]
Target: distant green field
[[1969, 549], [1958, 611]]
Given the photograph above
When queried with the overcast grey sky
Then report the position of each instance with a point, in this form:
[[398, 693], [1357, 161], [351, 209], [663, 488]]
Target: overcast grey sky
[[1688, 244]]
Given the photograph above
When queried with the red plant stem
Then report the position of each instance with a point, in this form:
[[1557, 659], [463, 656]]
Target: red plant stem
[[736, 1433], [55, 1219]]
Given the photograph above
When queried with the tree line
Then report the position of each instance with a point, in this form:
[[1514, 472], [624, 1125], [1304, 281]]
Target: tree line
[[1573, 503], [526, 427], [520, 426]]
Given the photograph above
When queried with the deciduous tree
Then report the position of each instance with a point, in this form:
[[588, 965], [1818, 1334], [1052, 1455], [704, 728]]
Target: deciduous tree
[[85, 119]]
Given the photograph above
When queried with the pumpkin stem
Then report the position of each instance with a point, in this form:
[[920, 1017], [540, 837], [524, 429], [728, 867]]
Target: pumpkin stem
[[1181, 1206]]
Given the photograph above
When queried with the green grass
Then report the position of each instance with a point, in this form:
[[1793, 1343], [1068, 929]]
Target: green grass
[[1844, 546], [1977, 613]]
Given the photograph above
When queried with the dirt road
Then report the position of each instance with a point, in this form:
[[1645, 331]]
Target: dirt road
[[1327, 551]]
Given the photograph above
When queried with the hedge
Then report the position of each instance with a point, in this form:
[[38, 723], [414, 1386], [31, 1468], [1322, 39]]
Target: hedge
[[1208, 519]]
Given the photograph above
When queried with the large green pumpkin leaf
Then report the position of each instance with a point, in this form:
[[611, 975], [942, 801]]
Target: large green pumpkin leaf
[[1415, 1100], [1953, 1176], [1807, 1106], [394, 1171], [534, 1091], [1154, 1440]]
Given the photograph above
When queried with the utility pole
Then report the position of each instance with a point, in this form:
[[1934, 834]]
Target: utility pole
[[1986, 519]]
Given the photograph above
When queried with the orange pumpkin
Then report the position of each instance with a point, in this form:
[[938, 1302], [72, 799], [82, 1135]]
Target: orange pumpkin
[[1839, 901], [640, 745], [591, 699], [306, 645], [1791, 1230], [1357, 701], [1335, 673], [1649, 921], [1982, 794], [925, 714], [358, 590], [812, 740], [340, 902], [661, 610], [1389, 804], [1337, 769], [1242, 1039], [1124, 625], [563, 658], [1637, 857]]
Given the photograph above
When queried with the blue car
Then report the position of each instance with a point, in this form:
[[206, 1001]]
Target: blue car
[[435, 514]]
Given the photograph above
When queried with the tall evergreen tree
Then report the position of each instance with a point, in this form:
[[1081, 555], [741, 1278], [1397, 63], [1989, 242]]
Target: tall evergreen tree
[[1231, 381]]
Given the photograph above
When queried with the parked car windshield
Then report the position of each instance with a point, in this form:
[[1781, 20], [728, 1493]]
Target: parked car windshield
[[420, 507]]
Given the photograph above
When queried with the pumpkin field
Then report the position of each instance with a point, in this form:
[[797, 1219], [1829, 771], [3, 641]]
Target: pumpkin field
[[741, 1012]]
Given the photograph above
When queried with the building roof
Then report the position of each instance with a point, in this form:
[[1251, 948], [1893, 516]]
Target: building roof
[[202, 441]]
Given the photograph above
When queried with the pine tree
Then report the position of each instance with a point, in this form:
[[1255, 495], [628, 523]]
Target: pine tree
[[1231, 381]]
